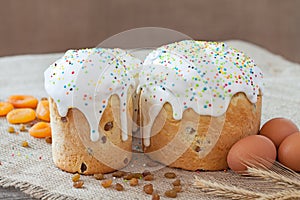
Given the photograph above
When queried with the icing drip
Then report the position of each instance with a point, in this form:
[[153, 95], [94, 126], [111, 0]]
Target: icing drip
[[198, 75], [87, 78], [187, 74]]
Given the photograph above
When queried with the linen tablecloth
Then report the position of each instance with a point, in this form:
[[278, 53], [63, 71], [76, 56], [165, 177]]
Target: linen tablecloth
[[32, 170]]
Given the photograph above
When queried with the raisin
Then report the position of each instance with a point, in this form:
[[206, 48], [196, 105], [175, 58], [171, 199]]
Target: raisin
[[118, 174], [78, 184], [137, 175], [171, 193], [104, 139], [48, 139], [190, 130], [149, 177], [197, 148], [170, 175], [177, 188], [64, 119], [128, 176], [119, 187], [145, 173], [134, 182], [177, 182], [106, 183], [99, 176], [155, 196], [148, 189], [108, 126], [76, 177]]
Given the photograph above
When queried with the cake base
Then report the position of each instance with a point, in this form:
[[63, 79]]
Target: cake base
[[72, 149], [202, 142]]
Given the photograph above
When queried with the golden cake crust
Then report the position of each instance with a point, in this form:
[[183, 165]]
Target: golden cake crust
[[72, 149], [189, 143]]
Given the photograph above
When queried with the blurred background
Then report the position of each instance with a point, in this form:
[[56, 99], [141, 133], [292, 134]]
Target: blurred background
[[46, 26]]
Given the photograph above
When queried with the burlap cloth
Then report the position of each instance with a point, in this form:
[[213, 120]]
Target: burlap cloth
[[32, 170]]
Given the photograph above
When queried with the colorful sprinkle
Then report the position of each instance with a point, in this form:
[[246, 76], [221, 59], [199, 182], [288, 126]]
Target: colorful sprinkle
[[199, 75], [100, 73]]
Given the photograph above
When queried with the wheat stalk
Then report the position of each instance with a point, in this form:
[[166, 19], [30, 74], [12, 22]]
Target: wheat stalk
[[283, 195], [273, 177], [287, 181], [278, 173], [223, 190]]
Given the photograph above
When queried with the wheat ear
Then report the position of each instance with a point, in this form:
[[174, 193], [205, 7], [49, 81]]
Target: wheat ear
[[223, 190], [278, 173]]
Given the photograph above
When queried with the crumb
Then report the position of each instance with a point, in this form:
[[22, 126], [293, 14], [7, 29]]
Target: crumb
[[25, 144], [23, 128], [11, 129]]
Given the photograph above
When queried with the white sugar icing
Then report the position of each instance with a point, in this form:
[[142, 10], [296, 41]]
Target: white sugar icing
[[198, 75], [188, 74], [86, 79]]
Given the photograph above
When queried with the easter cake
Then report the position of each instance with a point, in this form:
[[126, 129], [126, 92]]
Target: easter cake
[[197, 99], [194, 99], [91, 107]]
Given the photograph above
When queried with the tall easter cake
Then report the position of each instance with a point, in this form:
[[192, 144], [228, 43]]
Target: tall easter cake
[[197, 99], [91, 109]]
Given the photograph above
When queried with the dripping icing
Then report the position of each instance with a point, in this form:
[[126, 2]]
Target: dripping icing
[[198, 75], [83, 78], [187, 74]]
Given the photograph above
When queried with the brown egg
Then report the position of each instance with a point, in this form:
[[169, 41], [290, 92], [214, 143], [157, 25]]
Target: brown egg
[[278, 129], [289, 152], [249, 149]]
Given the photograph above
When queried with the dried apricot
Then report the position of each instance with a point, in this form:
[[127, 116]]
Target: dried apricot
[[21, 115], [5, 108], [40, 130], [23, 101], [42, 110]]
